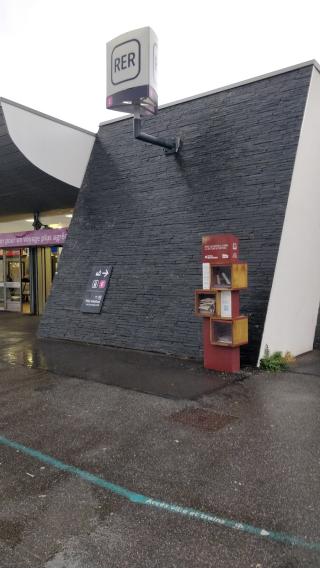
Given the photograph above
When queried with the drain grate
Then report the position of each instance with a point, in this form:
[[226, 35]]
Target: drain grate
[[202, 419]]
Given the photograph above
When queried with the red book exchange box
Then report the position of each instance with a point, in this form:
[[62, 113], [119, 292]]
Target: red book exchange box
[[218, 302]]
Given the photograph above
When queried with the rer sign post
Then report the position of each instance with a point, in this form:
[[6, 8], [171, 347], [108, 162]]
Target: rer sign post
[[132, 72], [132, 60]]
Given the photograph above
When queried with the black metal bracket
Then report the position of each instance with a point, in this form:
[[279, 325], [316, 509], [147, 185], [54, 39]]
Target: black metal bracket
[[37, 223], [171, 146]]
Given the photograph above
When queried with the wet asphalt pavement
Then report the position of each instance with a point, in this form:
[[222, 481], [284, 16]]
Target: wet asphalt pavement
[[158, 375], [242, 448]]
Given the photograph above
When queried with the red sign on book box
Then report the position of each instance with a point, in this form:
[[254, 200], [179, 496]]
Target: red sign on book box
[[220, 249]]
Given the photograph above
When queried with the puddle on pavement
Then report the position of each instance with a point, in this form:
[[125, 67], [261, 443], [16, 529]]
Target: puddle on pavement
[[27, 357]]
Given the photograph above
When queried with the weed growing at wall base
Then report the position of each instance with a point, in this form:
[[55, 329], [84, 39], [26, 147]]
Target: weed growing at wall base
[[275, 361]]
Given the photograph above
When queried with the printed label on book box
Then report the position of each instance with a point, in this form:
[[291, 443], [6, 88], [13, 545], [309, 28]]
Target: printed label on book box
[[206, 276], [226, 304], [96, 289], [220, 249]]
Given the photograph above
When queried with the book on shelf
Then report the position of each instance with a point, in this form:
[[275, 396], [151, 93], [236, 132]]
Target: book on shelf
[[222, 279], [224, 339], [225, 278], [207, 305]]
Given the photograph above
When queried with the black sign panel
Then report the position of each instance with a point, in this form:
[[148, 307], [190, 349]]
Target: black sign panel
[[96, 289]]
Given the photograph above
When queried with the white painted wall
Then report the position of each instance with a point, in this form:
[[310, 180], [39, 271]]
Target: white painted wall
[[58, 149], [294, 301]]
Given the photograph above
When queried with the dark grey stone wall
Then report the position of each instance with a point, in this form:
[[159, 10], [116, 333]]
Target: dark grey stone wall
[[145, 214]]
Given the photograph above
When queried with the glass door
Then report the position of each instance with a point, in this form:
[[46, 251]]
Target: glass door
[[47, 259], [2, 281], [26, 277], [44, 277], [12, 275], [26, 284]]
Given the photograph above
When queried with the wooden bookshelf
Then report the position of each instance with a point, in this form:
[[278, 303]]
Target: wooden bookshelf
[[226, 303], [200, 296], [229, 277], [218, 302], [229, 333]]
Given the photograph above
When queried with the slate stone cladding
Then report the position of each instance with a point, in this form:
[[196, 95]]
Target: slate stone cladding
[[145, 213]]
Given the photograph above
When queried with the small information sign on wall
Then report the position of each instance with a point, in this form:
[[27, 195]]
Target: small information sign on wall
[[96, 289]]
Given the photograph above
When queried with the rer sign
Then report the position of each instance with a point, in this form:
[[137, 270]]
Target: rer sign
[[132, 72], [125, 62]]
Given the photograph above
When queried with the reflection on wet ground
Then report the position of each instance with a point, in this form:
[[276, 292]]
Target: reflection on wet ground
[[144, 372]]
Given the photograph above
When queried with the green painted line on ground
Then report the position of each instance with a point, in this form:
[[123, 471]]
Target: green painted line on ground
[[150, 502]]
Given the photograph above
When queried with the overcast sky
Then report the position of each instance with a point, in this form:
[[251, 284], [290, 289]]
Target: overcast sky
[[53, 55]]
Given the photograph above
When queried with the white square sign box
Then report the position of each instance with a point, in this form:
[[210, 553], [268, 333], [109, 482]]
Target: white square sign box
[[132, 72]]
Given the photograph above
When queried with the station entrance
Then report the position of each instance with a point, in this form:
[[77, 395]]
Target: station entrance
[[26, 276]]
